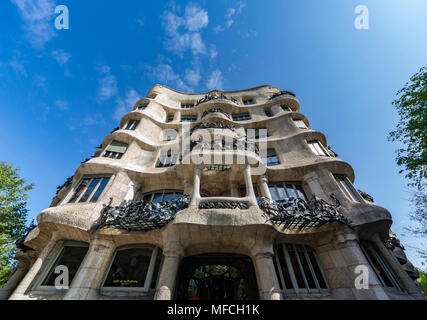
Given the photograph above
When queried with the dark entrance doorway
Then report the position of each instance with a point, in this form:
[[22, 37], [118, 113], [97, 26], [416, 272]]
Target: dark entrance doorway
[[217, 277]]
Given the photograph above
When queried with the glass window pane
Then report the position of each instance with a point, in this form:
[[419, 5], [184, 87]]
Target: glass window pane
[[71, 257], [273, 193], [156, 269], [377, 266], [101, 188], [168, 196], [307, 272], [79, 190], [281, 192], [295, 266], [291, 191], [129, 268], [317, 271], [157, 198], [285, 270], [90, 189]]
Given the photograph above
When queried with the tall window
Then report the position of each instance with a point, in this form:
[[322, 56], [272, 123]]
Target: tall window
[[134, 268], [258, 132], [348, 189], [300, 124], [248, 102], [284, 190], [268, 113], [377, 263], [298, 269], [241, 116], [115, 150], [169, 118], [318, 148], [168, 159], [162, 195], [286, 108], [187, 105], [131, 124], [89, 189], [142, 107], [71, 255], [188, 118], [271, 159]]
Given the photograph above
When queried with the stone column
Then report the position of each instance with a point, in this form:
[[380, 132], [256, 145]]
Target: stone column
[[264, 187], [195, 198], [340, 260], [14, 280], [177, 116], [87, 281], [402, 277], [173, 254], [268, 283], [249, 187], [277, 109], [24, 285]]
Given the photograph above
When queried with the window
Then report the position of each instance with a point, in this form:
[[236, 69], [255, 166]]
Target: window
[[187, 105], [169, 118], [298, 269], [142, 107], [300, 124], [134, 269], [285, 190], [131, 124], [268, 113], [318, 148], [377, 263], [248, 102], [115, 150], [162, 196], [71, 255], [258, 132], [348, 189], [89, 189], [189, 118], [167, 159], [241, 116], [286, 108], [271, 159]]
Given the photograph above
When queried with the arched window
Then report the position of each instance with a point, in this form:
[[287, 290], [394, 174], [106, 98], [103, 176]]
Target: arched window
[[383, 272], [298, 269], [134, 268]]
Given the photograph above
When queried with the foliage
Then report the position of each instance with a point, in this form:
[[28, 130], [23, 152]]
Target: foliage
[[13, 215], [423, 280], [411, 130]]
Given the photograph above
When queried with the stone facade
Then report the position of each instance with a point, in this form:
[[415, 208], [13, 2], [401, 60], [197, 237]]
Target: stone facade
[[222, 214]]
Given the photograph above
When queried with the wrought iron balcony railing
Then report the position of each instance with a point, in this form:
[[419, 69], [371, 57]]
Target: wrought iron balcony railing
[[281, 93], [210, 97], [140, 215], [295, 213], [210, 125], [216, 110]]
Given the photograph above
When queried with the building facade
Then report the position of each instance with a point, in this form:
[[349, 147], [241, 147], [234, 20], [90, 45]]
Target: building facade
[[213, 196]]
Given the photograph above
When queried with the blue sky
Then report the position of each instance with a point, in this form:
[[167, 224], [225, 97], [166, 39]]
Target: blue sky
[[62, 91]]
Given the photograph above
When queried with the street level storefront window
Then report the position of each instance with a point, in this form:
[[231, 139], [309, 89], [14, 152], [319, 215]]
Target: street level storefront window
[[134, 268], [70, 255], [298, 269]]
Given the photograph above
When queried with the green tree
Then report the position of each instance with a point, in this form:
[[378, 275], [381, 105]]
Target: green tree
[[13, 215], [423, 280], [411, 132]]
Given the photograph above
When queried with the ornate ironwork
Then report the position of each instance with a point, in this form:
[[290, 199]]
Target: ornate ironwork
[[20, 242], [293, 213], [223, 205], [335, 154], [210, 97], [239, 144], [281, 93], [214, 110], [393, 242], [67, 182], [140, 215], [209, 125], [366, 196]]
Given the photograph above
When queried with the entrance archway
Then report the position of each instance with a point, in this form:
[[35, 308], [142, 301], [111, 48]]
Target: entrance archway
[[217, 276]]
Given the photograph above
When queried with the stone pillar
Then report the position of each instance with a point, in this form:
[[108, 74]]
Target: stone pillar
[[234, 189], [173, 254], [268, 283], [340, 260], [264, 187], [87, 281], [249, 187], [14, 280], [402, 277], [313, 181], [177, 116], [195, 198], [24, 285], [277, 109]]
